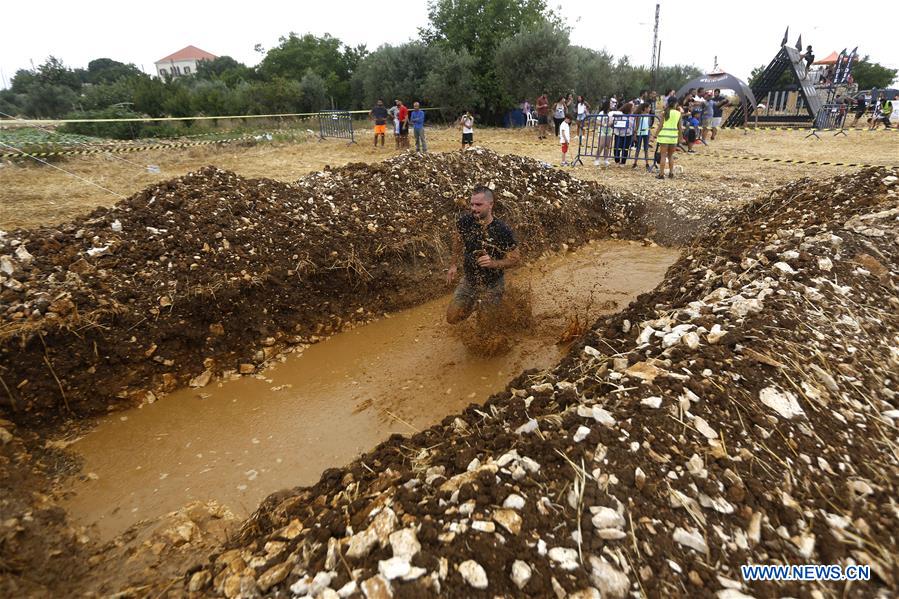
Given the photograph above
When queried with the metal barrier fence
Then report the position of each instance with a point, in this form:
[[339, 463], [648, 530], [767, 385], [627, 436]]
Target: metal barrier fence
[[831, 117], [336, 123], [605, 137]]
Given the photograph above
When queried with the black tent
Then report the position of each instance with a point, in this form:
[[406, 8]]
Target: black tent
[[720, 81]]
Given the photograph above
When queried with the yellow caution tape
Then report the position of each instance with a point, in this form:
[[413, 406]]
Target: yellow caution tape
[[791, 161], [124, 149], [41, 122]]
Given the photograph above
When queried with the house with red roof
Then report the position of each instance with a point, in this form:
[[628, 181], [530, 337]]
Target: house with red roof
[[183, 62]]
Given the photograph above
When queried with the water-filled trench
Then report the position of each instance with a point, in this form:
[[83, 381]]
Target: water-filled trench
[[236, 441]]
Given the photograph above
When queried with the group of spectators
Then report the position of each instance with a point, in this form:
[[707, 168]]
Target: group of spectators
[[881, 110], [617, 134], [400, 118]]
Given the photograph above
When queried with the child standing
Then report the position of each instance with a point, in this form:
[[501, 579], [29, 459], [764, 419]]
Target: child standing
[[641, 134], [565, 138], [467, 124]]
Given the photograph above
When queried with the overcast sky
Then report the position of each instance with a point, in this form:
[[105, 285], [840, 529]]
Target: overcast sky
[[741, 35]]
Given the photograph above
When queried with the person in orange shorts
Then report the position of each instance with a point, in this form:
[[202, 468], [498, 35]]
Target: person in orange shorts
[[379, 116]]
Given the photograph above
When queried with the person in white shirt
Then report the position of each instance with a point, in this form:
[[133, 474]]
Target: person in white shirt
[[583, 109], [565, 138], [466, 123]]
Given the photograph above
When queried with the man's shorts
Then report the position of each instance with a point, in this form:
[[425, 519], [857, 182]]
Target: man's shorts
[[380, 129], [541, 119], [565, 148], [706, 123], [396, 127], [404, 129], [467, 295], [716, 122], [468, 138]]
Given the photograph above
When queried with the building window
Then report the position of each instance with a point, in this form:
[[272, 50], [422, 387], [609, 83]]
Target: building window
[[187, 70], [163, 72], [176, 70]]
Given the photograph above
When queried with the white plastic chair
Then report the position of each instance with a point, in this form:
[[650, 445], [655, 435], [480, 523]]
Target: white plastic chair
[[532, 122]]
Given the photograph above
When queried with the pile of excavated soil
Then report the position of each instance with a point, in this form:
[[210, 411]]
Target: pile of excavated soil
[[745, 412], [212, 272]]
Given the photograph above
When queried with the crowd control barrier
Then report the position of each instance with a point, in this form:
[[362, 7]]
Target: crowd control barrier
[[622, 138]]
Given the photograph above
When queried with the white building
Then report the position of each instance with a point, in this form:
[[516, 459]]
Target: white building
[[183, 62]]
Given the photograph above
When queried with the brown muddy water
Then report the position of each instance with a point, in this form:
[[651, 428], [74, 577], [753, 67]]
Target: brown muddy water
[[238, 441]]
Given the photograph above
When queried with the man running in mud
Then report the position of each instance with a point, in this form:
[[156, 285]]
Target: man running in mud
[[487, 246]]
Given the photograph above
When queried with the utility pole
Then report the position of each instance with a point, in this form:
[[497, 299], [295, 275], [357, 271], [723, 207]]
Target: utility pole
[[655, 40]]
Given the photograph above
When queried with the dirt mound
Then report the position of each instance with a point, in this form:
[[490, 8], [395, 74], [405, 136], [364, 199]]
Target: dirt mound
[[211, 272], [745, 412]]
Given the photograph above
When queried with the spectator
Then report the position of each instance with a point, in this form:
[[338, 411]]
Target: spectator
[[417, 118], [623, 129], [604, 133], [542, 115], [691, 131], [643, 126], [613, 102], [653, 100], [571, 106], [559, 109], [669, 134], [379, 117], [394, 112], [467, 125], [403, 116], [718, 104], [565, 138], [583, 109], [860, 108], [526, 110], [708, 113]]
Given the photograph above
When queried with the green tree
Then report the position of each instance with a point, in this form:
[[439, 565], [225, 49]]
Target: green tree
[[149, 96], [392, 72], [786, 79], [53, 72], [450, 82], [103, 95], [536, 59], [313, 94], [226, 69], [674, 76], [46, 100], [869, 75], [479, 26], [594, 75], [107, 70], [325, 56]]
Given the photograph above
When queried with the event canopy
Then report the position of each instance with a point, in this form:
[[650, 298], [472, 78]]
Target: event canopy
[[720, 81], [829, 59]]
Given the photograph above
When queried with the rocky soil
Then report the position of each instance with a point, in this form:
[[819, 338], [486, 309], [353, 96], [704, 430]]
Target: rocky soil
[[211, 273], [744, 412]]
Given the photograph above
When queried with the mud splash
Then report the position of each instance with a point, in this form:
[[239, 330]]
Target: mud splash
[[240, 440]]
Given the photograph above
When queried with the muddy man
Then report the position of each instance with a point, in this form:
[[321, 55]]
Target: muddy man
[[488, 247]]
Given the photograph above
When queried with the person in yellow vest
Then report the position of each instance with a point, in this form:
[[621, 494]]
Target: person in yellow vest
[[669, 134], [882, 113]]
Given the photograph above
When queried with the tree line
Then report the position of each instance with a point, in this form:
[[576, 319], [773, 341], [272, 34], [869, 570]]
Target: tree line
[[483, 55]]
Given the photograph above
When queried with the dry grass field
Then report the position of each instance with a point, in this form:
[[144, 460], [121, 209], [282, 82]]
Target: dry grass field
[[32, 194]]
